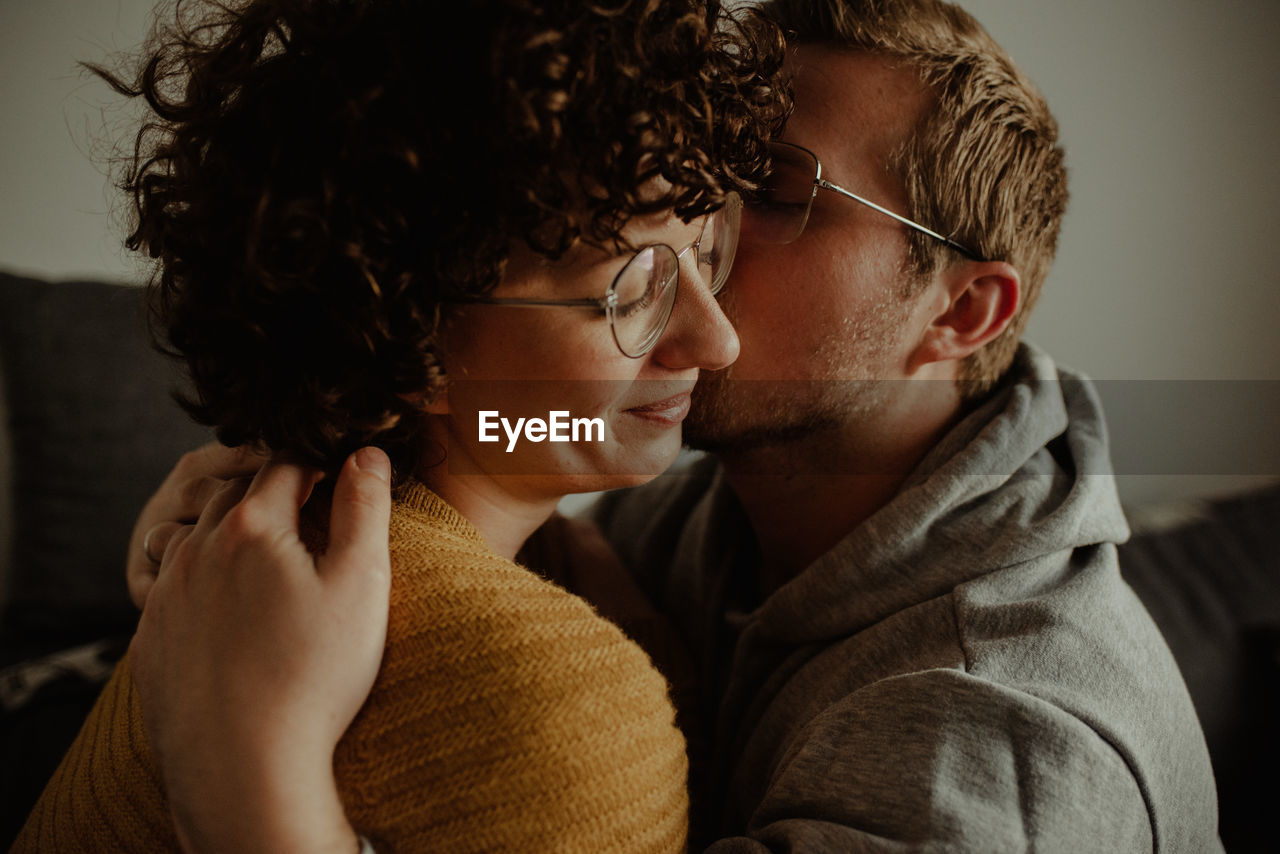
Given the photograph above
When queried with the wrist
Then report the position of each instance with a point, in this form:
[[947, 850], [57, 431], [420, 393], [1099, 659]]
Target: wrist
[[260, 809]]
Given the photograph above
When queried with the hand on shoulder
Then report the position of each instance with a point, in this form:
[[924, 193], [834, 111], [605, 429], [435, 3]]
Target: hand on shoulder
[[252, 656]]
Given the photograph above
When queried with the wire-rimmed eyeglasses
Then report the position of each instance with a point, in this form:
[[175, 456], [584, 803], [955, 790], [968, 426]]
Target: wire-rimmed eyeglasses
[[640, 298], [780, 209]]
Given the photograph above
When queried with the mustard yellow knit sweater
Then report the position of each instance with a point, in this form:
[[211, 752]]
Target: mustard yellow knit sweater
[[507, 716]]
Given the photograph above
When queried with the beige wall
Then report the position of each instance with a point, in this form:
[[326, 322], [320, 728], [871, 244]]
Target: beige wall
[[1170, 113], [54, 193], [1170, 110]]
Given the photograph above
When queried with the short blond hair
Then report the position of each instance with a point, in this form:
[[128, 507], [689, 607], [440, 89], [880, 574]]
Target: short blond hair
[[984, 166]]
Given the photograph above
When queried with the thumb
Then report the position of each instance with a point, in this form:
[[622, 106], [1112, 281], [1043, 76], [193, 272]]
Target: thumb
[[358, 521]]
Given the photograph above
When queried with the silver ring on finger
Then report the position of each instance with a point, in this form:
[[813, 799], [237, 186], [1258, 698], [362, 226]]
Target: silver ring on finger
[[146, 547]]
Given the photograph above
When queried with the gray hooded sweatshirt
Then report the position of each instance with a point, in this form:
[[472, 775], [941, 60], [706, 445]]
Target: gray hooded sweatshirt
[[964, 672]]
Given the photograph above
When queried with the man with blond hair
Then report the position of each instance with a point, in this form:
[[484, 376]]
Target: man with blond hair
[[896, 578]]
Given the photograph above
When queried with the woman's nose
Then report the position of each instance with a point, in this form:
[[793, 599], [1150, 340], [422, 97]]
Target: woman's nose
[[698, 335]]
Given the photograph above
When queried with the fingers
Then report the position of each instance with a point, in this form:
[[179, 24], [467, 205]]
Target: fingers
[[181, 533], [192, 495], [201, 473], [157, 539], [216, 460], [269, 504], [278, 490], [162, 542], [139, 575], [244, 514], [143, 576], [360, 516], [226, 497], [140, 580], [190, 486]]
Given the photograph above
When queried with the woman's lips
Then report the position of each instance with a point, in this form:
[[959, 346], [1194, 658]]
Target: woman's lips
[[667, 412]]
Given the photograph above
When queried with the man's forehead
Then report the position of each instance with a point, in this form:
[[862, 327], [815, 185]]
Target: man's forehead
[[850, 105], [842, 69]]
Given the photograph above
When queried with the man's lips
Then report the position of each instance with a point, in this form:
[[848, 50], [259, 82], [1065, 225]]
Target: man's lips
[[670, 410]]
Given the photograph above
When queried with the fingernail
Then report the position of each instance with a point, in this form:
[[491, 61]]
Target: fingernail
[[373, 461]]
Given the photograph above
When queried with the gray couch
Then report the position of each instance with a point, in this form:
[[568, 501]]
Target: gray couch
[[88, 431]]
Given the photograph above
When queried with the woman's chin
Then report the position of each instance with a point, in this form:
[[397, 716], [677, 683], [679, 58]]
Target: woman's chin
[[622, 470], [548, 471], [601, 482]]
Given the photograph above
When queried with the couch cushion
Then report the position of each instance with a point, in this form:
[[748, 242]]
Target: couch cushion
[[91, 430], [1212, 584]]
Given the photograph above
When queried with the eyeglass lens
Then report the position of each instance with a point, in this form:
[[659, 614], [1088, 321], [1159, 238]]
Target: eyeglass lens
[[778, 210], [645, 290]]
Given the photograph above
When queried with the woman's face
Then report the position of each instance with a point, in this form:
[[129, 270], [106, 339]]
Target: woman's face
[[507, 363]]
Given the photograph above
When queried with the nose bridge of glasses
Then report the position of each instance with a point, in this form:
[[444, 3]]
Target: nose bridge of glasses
[[694, 250]]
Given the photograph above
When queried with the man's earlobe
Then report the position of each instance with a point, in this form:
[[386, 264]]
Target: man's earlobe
[[983, 297]]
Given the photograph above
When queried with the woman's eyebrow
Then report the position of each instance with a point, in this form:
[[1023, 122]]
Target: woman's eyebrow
[[663, 232], [652, 229]]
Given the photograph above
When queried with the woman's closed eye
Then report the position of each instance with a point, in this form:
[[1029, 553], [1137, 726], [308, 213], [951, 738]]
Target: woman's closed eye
[[636, 306]]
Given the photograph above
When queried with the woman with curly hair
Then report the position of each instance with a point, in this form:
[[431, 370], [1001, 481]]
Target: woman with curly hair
[[413, 226]]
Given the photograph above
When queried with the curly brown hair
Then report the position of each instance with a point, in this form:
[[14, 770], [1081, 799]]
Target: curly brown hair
[[317, 177]]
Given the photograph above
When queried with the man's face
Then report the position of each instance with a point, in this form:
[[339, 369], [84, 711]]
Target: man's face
[[821, 316]]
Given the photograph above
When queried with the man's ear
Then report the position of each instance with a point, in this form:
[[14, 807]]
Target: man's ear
[[979, 299]]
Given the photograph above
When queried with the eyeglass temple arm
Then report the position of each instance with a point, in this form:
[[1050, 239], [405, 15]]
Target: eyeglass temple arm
[[603, 303], [827, 185]]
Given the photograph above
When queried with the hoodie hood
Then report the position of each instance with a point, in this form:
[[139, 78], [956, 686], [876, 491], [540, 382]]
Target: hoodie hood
[[965, 663], [1025, 475]]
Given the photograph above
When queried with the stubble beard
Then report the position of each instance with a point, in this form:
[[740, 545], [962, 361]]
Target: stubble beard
[[842, 383]]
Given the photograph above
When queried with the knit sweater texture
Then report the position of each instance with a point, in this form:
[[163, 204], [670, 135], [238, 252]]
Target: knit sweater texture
[[506, 716]]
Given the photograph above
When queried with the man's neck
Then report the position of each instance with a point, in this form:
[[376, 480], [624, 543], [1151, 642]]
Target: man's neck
[[798, 518], [804, 497]]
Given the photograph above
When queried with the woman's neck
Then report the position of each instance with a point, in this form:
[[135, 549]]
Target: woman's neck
[[504, 517]]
